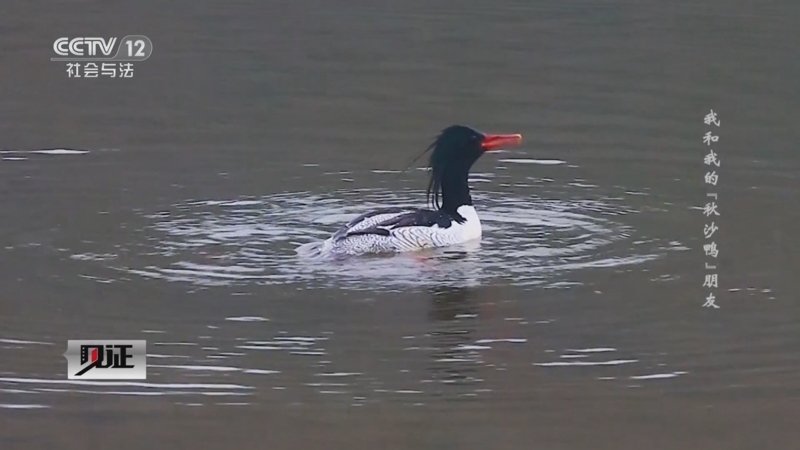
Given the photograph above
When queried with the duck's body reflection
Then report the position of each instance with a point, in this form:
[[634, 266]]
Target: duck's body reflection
[[455, 359]]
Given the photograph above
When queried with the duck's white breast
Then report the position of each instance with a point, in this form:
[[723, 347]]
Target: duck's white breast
[[471, 229]]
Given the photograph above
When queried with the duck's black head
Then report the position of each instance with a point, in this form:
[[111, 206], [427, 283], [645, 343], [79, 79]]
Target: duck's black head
[[454, 152]]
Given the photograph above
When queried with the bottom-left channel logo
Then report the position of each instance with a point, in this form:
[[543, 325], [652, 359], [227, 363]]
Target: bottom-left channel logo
[[106, 360]]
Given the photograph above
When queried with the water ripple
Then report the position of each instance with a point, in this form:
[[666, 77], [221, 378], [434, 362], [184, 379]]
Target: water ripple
[[526, 241]]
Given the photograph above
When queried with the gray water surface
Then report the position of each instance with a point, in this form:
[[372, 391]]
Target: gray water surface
[[167, 207]]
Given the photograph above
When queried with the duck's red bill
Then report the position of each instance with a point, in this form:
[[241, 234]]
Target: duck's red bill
[[497, 141]]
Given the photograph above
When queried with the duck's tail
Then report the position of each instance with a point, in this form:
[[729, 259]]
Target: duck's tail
[[315, 250]]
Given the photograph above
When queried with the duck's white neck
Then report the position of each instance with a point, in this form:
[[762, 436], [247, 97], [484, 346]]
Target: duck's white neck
[[471, 228]]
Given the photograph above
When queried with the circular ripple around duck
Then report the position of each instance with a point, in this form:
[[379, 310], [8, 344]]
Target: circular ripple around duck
[[526, 241]]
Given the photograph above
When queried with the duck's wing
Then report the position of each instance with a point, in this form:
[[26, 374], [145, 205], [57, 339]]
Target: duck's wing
[[382, 221]]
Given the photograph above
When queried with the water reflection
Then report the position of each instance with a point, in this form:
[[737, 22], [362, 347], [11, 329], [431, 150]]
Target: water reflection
[[455, 359]]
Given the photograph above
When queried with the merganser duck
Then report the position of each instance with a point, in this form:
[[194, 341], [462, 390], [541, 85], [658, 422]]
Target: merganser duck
[[398, 229]]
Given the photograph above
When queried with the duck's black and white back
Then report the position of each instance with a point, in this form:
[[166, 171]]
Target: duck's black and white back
[[398, 229]]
